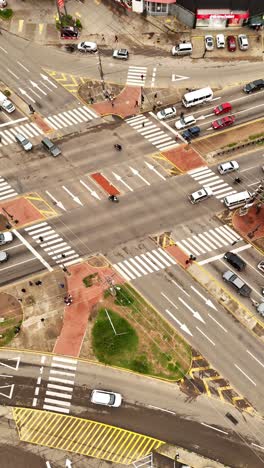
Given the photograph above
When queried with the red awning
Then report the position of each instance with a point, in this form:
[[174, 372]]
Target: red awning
[[161, 1]]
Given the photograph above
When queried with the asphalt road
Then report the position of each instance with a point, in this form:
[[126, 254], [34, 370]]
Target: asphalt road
[[168, 414]]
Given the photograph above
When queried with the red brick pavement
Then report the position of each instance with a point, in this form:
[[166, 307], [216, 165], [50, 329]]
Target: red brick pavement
[[184, 157], [252, 223], [105, 184], [179, 255], [22, 210], [124, 104]]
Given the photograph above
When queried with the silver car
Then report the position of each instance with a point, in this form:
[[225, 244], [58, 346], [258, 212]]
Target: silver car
[[209, 42], [24, 142], [103, 397], [228, 166]]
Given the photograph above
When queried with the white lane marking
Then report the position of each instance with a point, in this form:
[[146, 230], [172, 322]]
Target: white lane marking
[[205, 335], [242, 372], [32, 250], [39, 381], [254, 357], [172, 303], [57, 409], [62, 359], [56, 402], [12, 73], [35, 400], [60, 395], [217, 322], [161, 409], [217, 257], [20, 263], [69, 374], [54, 364], [37, 391], [60, 387], [56, 379], [5, 51], [43, 359], [153, 77], [23, 66], [256, 445], [178, 286], [214, 428]]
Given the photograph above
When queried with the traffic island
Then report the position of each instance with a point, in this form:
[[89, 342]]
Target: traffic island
[[251, 225], [184, 158], [10, 318]]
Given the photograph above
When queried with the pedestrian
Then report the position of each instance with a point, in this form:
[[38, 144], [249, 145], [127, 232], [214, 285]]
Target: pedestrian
[[41, 239], [63, 255], [61, 285], [38, 283], [142, 77], [92, 100], [112, 102], [20, 300], [155, 95], [181, 115], [154, 108], [103, 38], [23, 290], [187, 262], [30, 283], [0, 138], [136, 103], [143, 124], [116, 38]]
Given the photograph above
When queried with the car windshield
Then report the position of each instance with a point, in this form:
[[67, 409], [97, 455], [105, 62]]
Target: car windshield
[[2, 237], [220, 108], [111, 399]]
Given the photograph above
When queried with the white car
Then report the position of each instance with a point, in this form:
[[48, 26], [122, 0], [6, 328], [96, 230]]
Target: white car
[[3, 3], [5, 237], [202, 194], [228, 166], [242, 42], [102, 397], [261, 266], [185, 122], [121, 54], [220, 41], [166, 113], [87, 46], [209, 42]]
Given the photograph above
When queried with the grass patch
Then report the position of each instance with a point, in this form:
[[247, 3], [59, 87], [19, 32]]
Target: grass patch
[[6, 14], [88, 280], [255, 137]]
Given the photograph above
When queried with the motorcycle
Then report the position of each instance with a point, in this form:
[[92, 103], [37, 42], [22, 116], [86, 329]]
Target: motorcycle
[[237, 180], [118, 147], [113, 198]]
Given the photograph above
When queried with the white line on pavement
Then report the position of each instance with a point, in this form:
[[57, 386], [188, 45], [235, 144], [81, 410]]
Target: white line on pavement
[[205, 335], [20, 263], [23, 66], [13, 122], [242, 372], [217, 322], [32, 250], [12, 73], [256, 445], [176, 284], [217, 257], [5, 51], [252, 355], [161, 409], [166, 297], [214, 428]]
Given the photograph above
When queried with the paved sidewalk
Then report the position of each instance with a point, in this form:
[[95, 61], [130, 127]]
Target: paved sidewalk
[[124, 104], [20, 212], [251, 225], [185, 158]]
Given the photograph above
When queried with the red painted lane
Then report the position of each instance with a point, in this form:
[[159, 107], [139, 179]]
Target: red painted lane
[[103, 182]]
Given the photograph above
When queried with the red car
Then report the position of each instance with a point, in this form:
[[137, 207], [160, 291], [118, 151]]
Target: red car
[[224, 122], [223, 108], [231, 43]]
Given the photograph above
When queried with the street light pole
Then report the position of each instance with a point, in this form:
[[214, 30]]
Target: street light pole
[[101, 70]]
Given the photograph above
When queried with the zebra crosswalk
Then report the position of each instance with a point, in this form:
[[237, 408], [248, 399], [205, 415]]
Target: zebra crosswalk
[[151, 132], [29, 130], [141, 265], [208, 241], [208, 178], [6, 191], [136, 76], [71, 117], [54, 245], [60, 385]]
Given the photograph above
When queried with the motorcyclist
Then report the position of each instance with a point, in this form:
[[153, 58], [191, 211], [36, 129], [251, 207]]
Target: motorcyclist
[[118, 147], [237, 180]]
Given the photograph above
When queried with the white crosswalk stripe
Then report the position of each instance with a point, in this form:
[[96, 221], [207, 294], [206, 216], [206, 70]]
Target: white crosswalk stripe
[[205, 242], [54, 245], [151, 132], [60, 388], [136, 76], [207, 178], [6, 191], [71, 117], [141, 265], [29, 130]]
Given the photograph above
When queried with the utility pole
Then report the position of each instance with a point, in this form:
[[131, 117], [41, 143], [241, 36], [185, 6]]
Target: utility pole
[[101, 70]]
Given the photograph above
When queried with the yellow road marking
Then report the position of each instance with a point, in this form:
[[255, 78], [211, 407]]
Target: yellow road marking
[[20, 25], [82, 436], [41, 28]]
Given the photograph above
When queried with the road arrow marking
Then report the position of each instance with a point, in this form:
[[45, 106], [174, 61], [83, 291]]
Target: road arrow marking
[[119, 178], [208, 302], [46, 78], [11, 391], [202, 117], [179, 77], [23, 92], [152, 168], [136, 172], [68, 463], [195, 314], [35, 85], [57, 203], [182, 325], [76, 199], [17, 359], [92, 192]]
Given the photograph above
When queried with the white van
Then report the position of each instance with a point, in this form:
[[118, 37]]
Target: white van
[[184, 48], [237, 199], [7, 105]]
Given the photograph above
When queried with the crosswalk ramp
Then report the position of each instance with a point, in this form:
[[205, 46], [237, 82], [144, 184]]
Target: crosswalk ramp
[[151, 132], [76, 116], [144, 264], [208, 241], [6, 191], [54, 245], [136, 76], [29, 130], [208, 178], [60, 385]]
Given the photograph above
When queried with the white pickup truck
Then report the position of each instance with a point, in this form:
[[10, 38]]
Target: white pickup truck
[[5, 104]]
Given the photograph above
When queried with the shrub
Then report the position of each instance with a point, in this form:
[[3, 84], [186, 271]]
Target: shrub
[[6, 14]]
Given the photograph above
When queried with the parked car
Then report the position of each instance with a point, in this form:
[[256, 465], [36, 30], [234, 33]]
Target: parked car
[[237, 262], [228, 166], [166, 113], [103, 397], [220, 41], [223, 108], [242, 42], [3, 3], [223, 122], [121, 54], [24, 142], [241, 287], [261, 266], [253, 86], [87, 46], [185, 122], [69, 32], [231, 43], [6, 237], [191, 133], [209, 42], [51, 147], [3, 256], [200, 195]]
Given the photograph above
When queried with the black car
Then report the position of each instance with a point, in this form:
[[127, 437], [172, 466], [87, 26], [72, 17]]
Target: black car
[[191, 133], [253, 86], [69, 32], [234, 260]]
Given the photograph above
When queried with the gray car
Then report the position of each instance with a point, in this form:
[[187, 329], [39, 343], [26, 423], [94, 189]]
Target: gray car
[[24, 142], [242, 288], [3, 256]]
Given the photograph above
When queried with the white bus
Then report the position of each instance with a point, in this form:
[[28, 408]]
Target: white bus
[[238, 199], [197, 97]]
